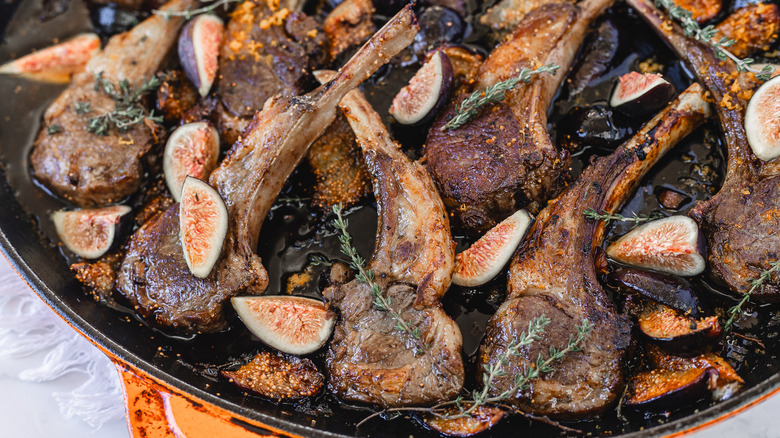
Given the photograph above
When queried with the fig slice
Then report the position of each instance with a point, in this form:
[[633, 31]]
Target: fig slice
[[191, 150], [723, 383], [278, 376], [55, 63], [670, 245], [428, 91], [487, 256], [677, 332], [203, 224], [671, 290], [639, 94], [762, 123], [481, 419], [662, 389], [90, 233], [199, 44], [290, 324]]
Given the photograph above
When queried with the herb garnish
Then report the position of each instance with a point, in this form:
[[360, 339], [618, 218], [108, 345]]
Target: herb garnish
[[756, 283], [706, 35], [128, 108], [466, 407], [366, 276], [188, 14], [54, 129], [82, 108], [606, 217], [495, 93]]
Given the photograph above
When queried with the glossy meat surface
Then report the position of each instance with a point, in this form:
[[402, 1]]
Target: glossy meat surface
[[553, 274]]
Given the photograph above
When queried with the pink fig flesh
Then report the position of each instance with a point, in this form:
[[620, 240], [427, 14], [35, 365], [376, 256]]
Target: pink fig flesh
[[638, 94], [89, 233], [191, 150], [203, 224], [294, 325], [199, 44], [56, 63], [669, 245], [762, 123], [427, 92], [488, 255]]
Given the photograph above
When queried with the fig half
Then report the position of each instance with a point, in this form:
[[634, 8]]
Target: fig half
[[428, 91], [671, 245], [278, 376], [666, 389], [671, 290], [199, 44], [191, 150], [56, 63], [89, 233], [678, 332], [291, 324], [203, 224], [762, 124], [639, 94], [487, 256], [480, 420]]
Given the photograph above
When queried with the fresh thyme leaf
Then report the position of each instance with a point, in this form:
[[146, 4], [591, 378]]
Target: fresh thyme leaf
[[190, 13], [54, 129], [495, 93], [706, 35], [366, 276], [591, 214], [128, 106], [82, 108], [755, 284]]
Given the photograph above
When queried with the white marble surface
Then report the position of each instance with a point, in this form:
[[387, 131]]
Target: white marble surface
[[28, 409]]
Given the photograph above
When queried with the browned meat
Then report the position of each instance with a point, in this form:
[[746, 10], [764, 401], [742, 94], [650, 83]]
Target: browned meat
[[349, 24], [753, 27], [278, 376], [507, 14], [553, 274], [369, 358], [504, 158], [334, 159], [89, 169], [154, 276], [740, 222], [265, 52]]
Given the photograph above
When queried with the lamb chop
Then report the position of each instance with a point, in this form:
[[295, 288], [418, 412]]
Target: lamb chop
[[370, 359], [90, 169], [154, 276], [553, 274], [265, 52], [739, 222], [504, 158]]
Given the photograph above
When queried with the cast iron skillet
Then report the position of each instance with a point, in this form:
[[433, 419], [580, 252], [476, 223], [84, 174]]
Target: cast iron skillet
[[187, 364]]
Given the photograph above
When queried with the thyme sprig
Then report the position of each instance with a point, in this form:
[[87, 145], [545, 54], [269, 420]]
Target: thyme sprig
[[466, 407], [189, 13], [366, 276], [755, 284], [707, 36], [494, 93], [128, 106], [606, 217]]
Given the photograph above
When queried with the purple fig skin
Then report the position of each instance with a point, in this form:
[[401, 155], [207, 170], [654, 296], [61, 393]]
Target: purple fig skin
[[191, 58], [694, 341], [671, 290], [644, 102], [445, 79]]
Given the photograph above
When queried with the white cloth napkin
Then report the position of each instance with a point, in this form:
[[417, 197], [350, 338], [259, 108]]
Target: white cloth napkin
[[28, 326]]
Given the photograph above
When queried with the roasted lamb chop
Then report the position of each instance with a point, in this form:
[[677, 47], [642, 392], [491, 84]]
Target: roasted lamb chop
[[553, 274], [265, 52], [740, 221], [154, 276], [90, 169], [504, 159], [370, 359]]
